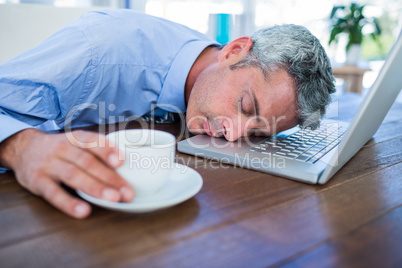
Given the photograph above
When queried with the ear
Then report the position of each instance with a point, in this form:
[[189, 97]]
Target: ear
[[236, 50]]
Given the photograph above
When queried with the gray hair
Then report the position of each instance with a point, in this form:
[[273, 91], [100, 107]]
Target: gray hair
[[294, 49]]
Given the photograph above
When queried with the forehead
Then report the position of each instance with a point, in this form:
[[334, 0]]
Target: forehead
[[277, 99]]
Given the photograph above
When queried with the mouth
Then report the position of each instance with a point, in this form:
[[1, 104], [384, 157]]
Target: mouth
[[207, 129]]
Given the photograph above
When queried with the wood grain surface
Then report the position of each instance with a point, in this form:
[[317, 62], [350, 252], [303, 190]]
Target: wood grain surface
[[240, 218]]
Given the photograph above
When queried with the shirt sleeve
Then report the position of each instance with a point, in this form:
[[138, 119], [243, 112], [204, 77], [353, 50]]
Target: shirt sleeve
[[44, 83]]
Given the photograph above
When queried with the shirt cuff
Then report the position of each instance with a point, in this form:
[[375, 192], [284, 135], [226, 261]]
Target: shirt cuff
[[10, 126]]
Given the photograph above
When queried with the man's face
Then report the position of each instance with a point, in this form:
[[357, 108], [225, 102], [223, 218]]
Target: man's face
[[240, 102]]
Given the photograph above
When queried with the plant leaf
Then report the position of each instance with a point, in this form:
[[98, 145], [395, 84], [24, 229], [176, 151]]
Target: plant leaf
[[334, 33], [377, 26], [334, 9]]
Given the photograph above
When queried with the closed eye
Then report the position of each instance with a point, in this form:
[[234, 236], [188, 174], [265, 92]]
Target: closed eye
[[247, 107]]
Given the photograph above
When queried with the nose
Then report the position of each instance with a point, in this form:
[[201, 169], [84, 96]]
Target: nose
[[232, 130]]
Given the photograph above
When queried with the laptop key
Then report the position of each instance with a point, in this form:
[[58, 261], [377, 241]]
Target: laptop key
[[271, 150], [313, 159], [302, 158], [297, 151], [308, 154], [291, 147]]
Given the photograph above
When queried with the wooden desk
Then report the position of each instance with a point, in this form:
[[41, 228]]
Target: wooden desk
[[352, 75], [241, 218]]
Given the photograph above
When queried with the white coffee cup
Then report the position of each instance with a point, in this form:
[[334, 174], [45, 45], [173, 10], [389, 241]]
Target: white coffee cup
[[148, 158]]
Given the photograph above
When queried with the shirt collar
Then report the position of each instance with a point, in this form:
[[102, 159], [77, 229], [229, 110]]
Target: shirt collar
[[171, 97]]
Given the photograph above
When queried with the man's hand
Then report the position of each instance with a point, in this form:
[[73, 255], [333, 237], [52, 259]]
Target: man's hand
[[42, 162]]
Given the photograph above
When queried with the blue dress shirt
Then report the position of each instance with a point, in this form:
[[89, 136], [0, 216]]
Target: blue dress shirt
[[105, 67]]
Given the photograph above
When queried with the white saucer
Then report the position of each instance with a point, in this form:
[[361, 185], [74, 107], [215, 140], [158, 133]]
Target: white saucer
[[183, 183]]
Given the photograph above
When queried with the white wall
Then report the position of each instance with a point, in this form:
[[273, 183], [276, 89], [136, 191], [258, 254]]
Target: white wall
[[25, 26]]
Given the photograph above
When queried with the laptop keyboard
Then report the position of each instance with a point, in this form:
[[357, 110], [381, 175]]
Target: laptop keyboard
[[304, 145]]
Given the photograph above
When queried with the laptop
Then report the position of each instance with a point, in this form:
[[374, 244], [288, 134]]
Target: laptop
[[310, 156]]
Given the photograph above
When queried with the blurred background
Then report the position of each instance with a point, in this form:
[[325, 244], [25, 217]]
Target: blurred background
[[357, 35]]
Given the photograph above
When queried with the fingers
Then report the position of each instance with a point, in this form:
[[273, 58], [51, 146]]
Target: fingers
[[76, 178], [97, 162], [53, 193], [84, 161], [86, 172], [98, 145]]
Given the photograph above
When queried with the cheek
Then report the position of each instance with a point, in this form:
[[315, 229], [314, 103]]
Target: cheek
[[192, 114], [224, 99], [213, 94]]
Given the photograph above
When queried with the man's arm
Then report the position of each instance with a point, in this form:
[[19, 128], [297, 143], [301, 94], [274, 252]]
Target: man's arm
[[9, 127], [43, 84], [42, 162]]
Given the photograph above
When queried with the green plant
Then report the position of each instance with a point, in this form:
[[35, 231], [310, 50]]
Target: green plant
[[350, 20]]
